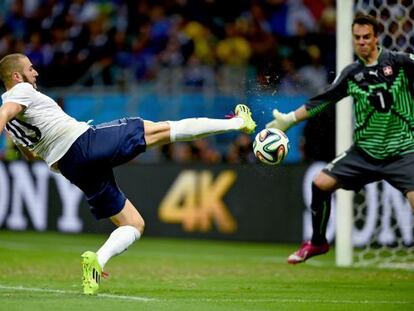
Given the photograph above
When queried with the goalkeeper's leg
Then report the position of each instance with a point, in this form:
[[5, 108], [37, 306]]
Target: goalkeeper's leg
[[322, 189], [321, 210]]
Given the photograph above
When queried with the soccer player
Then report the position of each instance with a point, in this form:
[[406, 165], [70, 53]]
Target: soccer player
[[86, 154], [381, 84]]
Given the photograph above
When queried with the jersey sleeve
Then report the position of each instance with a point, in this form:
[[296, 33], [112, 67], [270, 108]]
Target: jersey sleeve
[[333, 93], [21, 93], [406, 61]]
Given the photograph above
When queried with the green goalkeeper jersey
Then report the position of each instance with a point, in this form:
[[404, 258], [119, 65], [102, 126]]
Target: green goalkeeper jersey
[[383, 96]]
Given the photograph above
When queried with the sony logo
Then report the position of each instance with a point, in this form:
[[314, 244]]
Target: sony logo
[[24, 197]]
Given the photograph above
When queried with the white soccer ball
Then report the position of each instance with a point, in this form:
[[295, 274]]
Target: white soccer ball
[[271, 146]]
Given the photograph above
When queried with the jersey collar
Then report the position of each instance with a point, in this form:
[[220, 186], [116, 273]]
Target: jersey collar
[[376, 62]]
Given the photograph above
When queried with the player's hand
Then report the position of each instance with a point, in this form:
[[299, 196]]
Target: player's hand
[[282, 121]]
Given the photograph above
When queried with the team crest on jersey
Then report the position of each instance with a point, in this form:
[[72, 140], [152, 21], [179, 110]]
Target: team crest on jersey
[[412, 56], [387, 71], [359, 76]]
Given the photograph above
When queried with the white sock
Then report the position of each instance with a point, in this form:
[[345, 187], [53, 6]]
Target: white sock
[[118, 242], [194, 128]]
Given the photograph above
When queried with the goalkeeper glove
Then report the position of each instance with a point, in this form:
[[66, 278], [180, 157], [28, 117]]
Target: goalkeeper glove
[[282, 121]]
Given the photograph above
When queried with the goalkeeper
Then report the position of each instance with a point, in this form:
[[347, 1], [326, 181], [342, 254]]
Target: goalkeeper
[[381, 84]]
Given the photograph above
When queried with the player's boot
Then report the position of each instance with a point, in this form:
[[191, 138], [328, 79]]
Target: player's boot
[[242, 111], [306, 251], [91, 273]]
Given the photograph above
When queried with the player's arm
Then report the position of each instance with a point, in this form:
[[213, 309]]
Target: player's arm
[[334, 92], [7, 112], [28, 155]]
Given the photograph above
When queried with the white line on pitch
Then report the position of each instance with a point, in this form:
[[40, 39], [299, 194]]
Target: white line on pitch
[[246, 300], [310, 300], [60, 291]]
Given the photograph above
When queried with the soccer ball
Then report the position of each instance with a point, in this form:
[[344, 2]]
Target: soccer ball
[[271, 146]]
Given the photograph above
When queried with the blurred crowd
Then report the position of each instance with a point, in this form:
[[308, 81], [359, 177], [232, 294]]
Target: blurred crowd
[[118, 42], [70, 40], [239, 151]]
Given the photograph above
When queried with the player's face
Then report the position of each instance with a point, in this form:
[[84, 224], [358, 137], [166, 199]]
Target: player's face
[[365, 41], [29, 74]]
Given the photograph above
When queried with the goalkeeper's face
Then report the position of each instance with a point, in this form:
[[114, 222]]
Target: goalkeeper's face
[[365, 41]]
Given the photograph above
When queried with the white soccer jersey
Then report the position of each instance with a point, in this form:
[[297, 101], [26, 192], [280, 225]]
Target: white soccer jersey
[[42, 126]]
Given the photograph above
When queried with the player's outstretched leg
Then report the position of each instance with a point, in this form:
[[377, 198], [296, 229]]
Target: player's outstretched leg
[[306, 251], [196, 128], [91, 273], [242, 111]]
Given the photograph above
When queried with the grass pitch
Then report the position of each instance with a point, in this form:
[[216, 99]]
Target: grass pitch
[[41, 271]]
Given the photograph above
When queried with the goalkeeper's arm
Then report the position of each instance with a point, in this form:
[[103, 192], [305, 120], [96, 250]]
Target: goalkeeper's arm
[[335, 92], [283, 121]]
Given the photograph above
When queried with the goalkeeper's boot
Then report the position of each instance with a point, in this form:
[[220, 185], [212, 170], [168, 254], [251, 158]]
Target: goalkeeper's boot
[[306, 251], [91, 273], [242, 111]]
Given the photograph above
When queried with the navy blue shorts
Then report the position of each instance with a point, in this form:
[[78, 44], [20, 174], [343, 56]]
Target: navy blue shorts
[[89, 162]]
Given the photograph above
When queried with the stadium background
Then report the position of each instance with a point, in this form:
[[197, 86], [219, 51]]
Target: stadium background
[[171, 59], [163, 60], [168, 59]]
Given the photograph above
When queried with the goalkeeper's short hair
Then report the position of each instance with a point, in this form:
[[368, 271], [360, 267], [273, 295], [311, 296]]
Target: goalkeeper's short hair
[[366, 19]]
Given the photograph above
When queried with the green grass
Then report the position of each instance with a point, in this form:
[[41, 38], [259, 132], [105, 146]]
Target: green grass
[[41, 271]]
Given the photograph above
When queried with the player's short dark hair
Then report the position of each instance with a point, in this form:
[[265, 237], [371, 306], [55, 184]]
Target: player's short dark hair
[[8, 64], [365, 19]]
